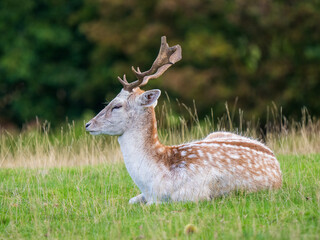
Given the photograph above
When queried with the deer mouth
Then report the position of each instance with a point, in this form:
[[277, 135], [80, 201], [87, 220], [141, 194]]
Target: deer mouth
[[94, 132]]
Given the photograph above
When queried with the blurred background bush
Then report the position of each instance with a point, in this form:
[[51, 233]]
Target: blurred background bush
[[61, 58]]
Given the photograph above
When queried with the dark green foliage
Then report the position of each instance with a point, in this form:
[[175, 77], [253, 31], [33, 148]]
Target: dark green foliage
[[44, 60], [60, 58]]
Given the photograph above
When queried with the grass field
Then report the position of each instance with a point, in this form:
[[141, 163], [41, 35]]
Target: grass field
[[92, 202], [66, 184]]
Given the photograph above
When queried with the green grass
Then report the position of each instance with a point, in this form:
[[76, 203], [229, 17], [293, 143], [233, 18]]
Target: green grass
[[92, 203]]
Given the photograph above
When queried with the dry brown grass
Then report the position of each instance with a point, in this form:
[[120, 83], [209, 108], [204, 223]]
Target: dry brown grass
[[72, 146], [41, 147], [293, 137]]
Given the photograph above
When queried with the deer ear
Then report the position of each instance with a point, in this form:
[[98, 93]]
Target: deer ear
[[149, 98]]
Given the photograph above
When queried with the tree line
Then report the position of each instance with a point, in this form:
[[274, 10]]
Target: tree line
[[60, 58]]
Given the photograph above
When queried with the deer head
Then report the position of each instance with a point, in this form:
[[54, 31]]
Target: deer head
[[132, 104]]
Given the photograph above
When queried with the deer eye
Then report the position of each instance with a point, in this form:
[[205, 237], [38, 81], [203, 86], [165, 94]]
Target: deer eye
[[116, 107]]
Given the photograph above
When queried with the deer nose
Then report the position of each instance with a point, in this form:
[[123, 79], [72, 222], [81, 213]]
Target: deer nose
[[88, 124]]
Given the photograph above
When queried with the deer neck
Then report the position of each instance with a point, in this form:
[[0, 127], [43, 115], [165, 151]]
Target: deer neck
[[143, 153], [142, 140]]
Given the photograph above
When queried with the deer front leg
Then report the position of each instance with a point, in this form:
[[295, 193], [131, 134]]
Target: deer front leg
[[138, 199]]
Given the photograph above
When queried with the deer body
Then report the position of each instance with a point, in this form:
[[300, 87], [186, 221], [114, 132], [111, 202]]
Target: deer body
[[201, 170]]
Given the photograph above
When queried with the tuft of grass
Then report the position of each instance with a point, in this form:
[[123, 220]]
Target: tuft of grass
[[190, 229], [92, 203], [294, 137], [41, 146], [68, 146]]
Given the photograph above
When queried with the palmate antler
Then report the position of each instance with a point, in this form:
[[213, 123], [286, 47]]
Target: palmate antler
[[167, 56]]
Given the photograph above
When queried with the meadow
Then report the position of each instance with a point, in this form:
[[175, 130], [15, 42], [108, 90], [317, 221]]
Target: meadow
[[66, 184]]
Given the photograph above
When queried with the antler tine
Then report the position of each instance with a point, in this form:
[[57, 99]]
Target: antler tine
[[167, 56], [124, 82], [138, 71]]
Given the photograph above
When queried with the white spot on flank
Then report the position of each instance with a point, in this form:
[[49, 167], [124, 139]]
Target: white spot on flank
[[200, 153], [192, 156], [234, 156], [183, 153]]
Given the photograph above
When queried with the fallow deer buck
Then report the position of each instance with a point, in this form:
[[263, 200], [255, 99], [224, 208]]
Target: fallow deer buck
[[200, 170]]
